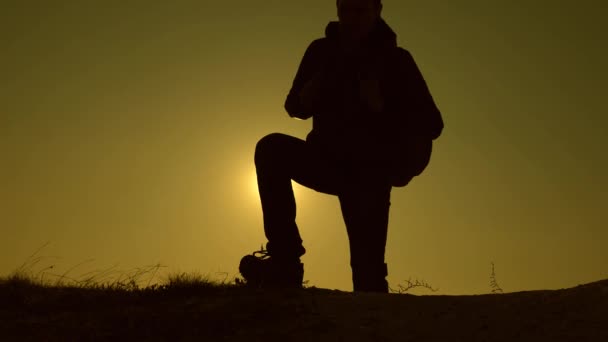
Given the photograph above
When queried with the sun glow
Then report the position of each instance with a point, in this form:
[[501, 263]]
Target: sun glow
[[252, 185]]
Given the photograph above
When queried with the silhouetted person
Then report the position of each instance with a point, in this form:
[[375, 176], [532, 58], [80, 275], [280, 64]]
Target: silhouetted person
[[374, 121]]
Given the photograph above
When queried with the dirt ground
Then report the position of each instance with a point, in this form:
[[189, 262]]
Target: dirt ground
[[239, 314]]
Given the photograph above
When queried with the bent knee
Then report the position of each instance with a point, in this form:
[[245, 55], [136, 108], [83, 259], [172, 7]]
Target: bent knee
[[268, 146]]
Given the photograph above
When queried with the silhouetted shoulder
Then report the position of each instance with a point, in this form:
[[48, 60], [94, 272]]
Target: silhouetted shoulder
[[405, 65], [319, 41], [402, 56], [404, 52], [315, 57], [315, 52], [319, 45]]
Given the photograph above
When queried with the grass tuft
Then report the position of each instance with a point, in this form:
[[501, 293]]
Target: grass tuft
[[34, 274]]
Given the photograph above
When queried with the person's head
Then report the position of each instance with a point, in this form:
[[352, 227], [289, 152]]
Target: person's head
[[358, 17]]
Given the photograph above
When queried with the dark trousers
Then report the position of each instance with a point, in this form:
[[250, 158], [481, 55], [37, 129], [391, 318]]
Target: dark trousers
[[363, 192]]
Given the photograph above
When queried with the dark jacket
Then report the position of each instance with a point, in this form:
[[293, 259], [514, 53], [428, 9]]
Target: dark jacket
[[398, 139]]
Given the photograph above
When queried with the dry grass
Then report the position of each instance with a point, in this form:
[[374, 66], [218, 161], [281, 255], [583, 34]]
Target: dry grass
[[110, 305], [33, 273]]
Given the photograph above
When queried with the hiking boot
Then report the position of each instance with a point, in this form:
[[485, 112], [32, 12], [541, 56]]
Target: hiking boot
[[261, 270], [370, 278]]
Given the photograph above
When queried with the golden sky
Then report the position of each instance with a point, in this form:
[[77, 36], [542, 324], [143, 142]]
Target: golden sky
[[127, 131]]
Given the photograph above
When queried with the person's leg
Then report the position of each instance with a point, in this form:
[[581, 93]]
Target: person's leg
[[365, 207], [279, 158]]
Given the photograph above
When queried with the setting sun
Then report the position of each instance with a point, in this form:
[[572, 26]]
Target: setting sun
[[252, 185]]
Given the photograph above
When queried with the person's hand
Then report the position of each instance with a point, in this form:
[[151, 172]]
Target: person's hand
[[312, 90], [370, 93]]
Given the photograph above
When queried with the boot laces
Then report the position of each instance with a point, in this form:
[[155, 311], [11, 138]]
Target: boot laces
[[262, 254]]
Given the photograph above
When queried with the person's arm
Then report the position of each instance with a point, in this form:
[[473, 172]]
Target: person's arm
[[411, 100], [305, 92]]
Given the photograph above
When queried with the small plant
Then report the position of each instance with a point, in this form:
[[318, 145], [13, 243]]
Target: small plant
[[412, 284], [493, 283]]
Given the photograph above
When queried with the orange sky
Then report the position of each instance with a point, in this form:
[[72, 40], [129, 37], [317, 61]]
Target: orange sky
[[127, 132]]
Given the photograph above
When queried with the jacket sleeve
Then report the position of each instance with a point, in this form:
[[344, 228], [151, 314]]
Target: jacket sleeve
[[292, 104], [413, 103]]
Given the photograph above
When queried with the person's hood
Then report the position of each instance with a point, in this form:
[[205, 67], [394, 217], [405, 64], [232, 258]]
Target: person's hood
[[382, 35]]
